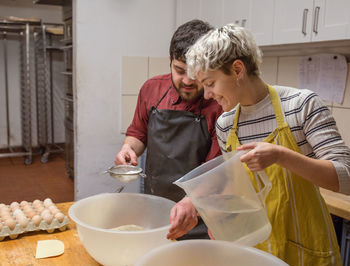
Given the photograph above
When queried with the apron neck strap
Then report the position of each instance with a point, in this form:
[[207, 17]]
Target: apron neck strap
[[200, 104], [163, 96], [276, 107]]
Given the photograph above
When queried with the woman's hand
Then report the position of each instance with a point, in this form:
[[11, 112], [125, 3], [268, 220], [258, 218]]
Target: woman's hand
[[262, 155], [183, 217]]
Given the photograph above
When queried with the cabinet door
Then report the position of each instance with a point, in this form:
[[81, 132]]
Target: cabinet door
[[247, 13], [206, 10], [293, 21], [331, 20], [186, 10], [211, 12], [236, 11], [260, 21]]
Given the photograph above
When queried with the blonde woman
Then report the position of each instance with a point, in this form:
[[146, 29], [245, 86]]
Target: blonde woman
[[291, 135]]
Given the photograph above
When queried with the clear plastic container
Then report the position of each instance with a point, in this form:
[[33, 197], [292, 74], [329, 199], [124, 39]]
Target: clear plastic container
[[207, 253], [224, 196], [95, 217]]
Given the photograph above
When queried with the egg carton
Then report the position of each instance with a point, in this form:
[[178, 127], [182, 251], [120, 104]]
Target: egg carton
[[31, 226]]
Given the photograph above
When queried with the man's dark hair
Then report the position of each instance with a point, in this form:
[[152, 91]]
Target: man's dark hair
[[185, 36]]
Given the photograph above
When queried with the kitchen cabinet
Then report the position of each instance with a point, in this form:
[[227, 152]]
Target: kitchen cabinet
[[206, 10], [274, 21], [301, 21], [248, 14]]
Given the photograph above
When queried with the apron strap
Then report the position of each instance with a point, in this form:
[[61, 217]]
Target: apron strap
[[163, 96], [200, 105], [276, 107]]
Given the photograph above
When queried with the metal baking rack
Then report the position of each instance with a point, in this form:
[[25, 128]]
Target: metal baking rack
[[22, 30], [35, 52], [44, 47]]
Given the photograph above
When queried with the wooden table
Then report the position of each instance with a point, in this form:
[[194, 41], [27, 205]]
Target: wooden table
[[21, 251], [338, 204]]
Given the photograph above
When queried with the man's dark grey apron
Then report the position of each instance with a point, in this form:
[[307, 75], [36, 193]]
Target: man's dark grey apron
[[178, 141]]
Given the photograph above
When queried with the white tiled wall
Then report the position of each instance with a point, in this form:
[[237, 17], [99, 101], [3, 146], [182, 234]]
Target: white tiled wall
[[286, 71], [158, 66], [281, 70], [341, 116], [128, 107], [135, 71], [268, 70], [134, 74]]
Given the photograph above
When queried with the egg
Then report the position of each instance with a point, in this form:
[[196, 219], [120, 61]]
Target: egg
[[31, 214], [47, 202], [6, 216], [36, 202], [23, 203], [45, 212], [4, 212], [40, 209], [55, 211], [47, 218], [59, 216], [52, 207], [2, 205], [23, 221], [18, 213], [14, 205], [36, 220], [27, 209], [11, 223]]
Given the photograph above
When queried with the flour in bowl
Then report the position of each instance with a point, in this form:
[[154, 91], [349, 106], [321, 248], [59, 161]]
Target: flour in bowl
[[129, 227]]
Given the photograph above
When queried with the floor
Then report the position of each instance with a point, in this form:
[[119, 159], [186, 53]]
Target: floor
[[36, 181]]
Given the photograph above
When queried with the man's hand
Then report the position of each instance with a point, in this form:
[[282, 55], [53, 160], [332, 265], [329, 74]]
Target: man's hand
[[183, 217], [126, 156]]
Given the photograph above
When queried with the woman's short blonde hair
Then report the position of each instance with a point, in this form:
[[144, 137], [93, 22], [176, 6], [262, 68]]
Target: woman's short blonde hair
[[219, 48]]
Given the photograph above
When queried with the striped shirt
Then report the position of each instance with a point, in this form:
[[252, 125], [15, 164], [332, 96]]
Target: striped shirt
[[309, 119]]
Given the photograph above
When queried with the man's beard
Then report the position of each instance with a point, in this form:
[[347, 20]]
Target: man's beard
[[188, 96]]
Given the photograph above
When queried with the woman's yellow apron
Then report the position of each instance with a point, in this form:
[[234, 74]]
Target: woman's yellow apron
[[302, 230]]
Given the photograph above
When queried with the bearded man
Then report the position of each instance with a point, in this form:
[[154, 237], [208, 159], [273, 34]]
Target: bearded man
[[176, 125]]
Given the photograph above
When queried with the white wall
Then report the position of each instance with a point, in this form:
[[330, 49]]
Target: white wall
[[104, 32], [48, 14]]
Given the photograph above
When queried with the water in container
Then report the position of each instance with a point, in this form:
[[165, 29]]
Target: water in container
[[224, 196]]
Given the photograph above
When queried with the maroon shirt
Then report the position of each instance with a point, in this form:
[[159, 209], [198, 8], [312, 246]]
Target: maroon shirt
[[150, 94]]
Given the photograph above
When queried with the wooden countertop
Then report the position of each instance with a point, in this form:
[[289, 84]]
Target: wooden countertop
[[338, 204], [21, 251]]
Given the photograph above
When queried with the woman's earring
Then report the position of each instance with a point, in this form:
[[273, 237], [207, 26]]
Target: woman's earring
[[238, 82]]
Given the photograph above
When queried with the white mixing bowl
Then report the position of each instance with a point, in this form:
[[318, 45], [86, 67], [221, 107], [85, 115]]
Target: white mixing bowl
[[207, 253], [96, 215]]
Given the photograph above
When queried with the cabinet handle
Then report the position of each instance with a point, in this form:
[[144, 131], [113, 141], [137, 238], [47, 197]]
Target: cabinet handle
[[303, 28], [237, 22], [243, 22], [316, 15]]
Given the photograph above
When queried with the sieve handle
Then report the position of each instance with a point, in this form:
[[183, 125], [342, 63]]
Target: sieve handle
[[262, 194], [142, 175]]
